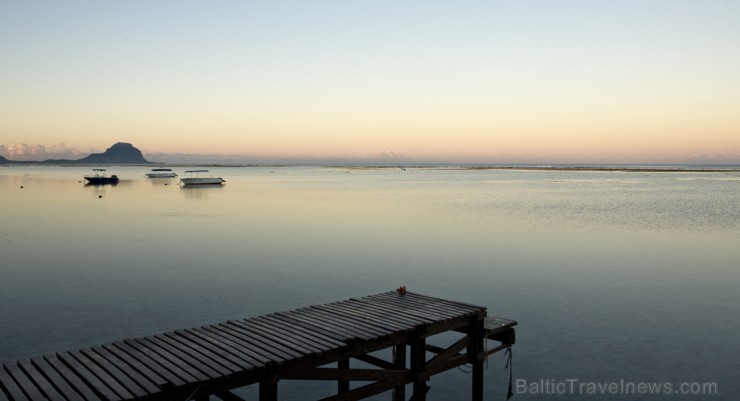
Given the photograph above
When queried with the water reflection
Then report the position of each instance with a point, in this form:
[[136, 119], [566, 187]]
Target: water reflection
[[157, 181], [200, 193], [583, 260]]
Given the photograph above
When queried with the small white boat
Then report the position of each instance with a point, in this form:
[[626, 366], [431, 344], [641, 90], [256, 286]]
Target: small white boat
[[161, 173], [197, 179]]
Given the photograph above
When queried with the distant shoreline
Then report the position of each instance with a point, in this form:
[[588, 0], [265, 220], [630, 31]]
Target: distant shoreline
[[627, 169], [587, 168]]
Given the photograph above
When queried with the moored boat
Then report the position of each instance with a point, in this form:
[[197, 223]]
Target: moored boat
[[100, 178], [197, 179], [161, 173]]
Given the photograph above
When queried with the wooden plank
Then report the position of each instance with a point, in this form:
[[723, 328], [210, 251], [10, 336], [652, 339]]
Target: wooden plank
[[279, 352], [384, 312], [276, 354], [245, 361], [426, 313], [265, 338], [442, 310], [275, 336], [314, 327], [246, 349], [494, 325], [360, 325], [238, 363], [405, 309], [376, 318], [24, 382], [98, 364], [351, 321], [389, 310], [170, 371], [185, 343], [370, 319], [122, 386], [155, 341], [92, 380], [146, 345], [75, 380], [316, 319], [57, 380], [306, 336], [300, 329], [279, 334], [441, 301], [112, 363], [342, 334], [149, 370], [41, 382], [11, 386], [428, 304]]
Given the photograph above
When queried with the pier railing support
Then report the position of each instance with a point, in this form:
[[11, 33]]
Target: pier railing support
[[343, 384], [476, 333], [269, 389], [399, 363], [418, 366]]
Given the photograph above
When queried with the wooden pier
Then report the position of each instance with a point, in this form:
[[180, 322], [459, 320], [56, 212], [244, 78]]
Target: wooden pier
[[210, 362]]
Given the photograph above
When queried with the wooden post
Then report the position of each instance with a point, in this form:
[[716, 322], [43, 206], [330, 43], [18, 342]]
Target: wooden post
[[269, 389], [343, 385], [399, 361], [475, 349], [418, 364]]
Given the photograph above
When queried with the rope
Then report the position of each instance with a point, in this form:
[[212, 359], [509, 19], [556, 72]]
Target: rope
[[190, 397], [467, 365]]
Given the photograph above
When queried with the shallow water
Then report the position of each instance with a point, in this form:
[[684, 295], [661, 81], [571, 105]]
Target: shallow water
[[611, 275]]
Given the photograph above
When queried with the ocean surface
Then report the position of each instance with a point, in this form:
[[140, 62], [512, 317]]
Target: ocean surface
[[612, 275]]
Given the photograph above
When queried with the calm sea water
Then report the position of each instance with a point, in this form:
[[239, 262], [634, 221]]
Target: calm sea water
[[611, 275]]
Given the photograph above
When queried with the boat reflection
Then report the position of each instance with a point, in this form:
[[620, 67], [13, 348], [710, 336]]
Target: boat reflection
[[162, 181], [200, 192]]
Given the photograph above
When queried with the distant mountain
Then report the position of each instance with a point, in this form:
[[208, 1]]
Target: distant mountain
[[119, 153]]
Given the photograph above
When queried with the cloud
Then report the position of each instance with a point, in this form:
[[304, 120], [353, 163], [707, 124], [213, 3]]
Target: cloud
[[391, 154], [35, 151], [714, 158]]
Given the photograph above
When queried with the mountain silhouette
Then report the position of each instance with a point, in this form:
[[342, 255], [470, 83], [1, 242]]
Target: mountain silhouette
[[119, 153]]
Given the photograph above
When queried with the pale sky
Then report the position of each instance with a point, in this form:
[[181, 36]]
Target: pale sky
[[589, 81]]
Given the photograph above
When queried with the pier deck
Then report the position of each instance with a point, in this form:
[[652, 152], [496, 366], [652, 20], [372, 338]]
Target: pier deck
[[209, 362]]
